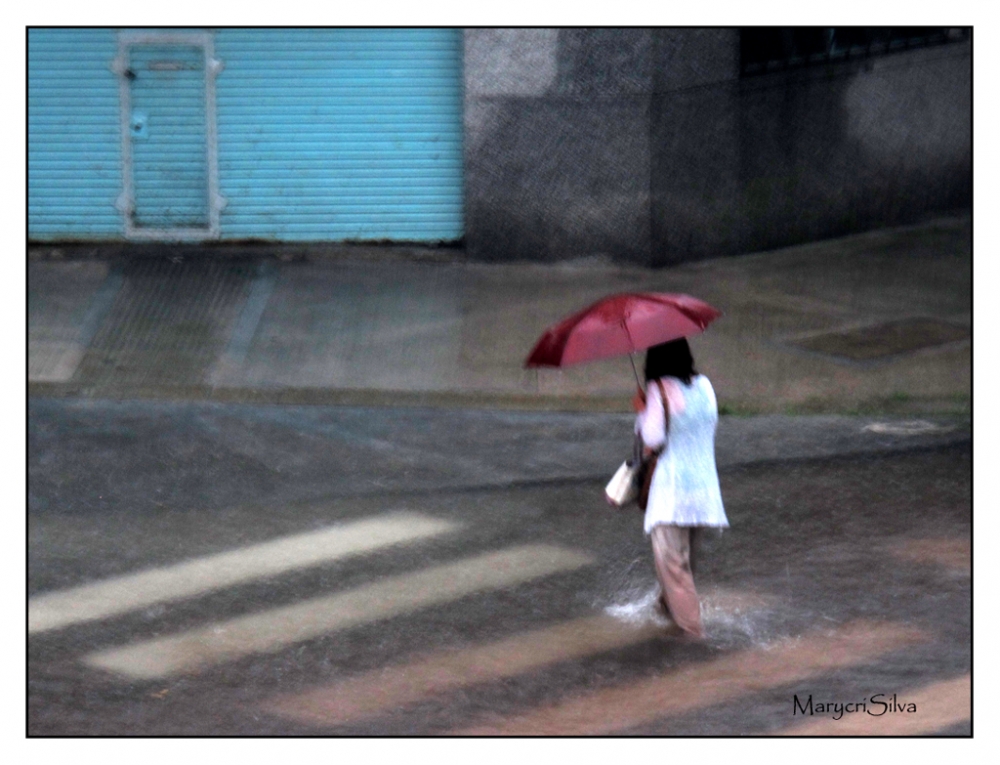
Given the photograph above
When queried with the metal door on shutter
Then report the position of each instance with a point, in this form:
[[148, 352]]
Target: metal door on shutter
[[168, 135]]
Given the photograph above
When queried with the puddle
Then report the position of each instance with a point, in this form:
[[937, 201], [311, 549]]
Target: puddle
[[886, 339], [909, 428], [952, 553]]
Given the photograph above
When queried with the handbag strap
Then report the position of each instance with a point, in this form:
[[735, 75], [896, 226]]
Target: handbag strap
[[637, 443], [663, 400], [666, 412]]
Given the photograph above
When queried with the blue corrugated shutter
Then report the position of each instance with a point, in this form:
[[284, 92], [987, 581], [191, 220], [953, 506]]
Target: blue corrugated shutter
[[340, 133], [323, 134], [74, 135]]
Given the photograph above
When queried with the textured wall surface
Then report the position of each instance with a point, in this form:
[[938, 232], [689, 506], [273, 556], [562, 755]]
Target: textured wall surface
[[695, 145], [638, 145], [74, 134], [647, 146], [557, 143], [861, 146], [323, 135], [334, 134]]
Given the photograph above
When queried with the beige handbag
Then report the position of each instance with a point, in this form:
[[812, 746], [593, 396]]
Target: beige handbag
[[631, 481], [624, 484]]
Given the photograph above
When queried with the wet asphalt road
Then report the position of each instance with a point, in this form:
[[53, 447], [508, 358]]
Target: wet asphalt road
[[845, 575]]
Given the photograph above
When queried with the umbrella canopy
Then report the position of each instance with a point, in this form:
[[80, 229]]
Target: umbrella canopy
[[621, 324]]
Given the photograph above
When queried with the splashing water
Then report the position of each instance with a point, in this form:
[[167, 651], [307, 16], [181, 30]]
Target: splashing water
[[728, 618], [639, 609], [733, 619]]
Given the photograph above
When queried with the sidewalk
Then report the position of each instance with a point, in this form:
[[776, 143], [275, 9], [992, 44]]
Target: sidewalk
[[877, 322]]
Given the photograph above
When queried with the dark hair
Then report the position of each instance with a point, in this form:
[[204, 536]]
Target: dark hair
[[671, 359]]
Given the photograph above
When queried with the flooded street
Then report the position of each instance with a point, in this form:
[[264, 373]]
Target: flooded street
[[209, 569], [335, 337]]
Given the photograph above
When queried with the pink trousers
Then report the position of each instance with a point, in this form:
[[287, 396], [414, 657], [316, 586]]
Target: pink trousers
[[672, 559]]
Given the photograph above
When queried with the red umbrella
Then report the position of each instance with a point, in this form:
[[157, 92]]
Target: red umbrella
[[621, 324]]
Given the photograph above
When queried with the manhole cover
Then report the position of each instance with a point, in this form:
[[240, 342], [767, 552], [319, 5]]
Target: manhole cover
[[887, 339]]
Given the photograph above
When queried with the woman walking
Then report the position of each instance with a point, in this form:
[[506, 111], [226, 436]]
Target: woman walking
[[677, 419]]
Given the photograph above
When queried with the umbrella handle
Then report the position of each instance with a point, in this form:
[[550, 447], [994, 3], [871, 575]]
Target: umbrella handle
[[635, 372]]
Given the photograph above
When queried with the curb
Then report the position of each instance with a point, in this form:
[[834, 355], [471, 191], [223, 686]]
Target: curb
[[498, 400], [339, 397]]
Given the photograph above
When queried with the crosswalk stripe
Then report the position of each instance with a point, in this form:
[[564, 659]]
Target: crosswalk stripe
[[937, 706], [121, 594], [381, 689], [705, 684], [271, 630]]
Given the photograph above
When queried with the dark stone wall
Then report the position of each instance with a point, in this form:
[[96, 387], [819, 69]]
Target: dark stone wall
[[556, 182], [557, 144], [646, 146], [695, 146], [831, 151]]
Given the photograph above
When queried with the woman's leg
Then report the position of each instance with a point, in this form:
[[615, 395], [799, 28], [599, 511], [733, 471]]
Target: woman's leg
[[671, 558], [694, 544]]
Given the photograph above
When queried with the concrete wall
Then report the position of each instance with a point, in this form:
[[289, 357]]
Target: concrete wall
[[557, 143], [695, 147], [646, 145], [828, 152]]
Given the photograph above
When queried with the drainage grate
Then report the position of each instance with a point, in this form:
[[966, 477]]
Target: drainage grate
[[886, 339], [168, 324]]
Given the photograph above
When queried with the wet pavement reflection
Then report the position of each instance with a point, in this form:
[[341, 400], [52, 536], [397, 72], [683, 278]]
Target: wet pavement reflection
[[341, 597]]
